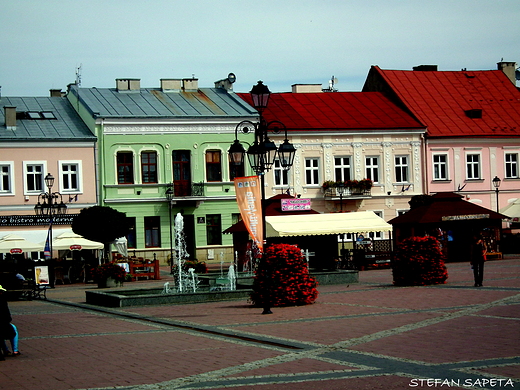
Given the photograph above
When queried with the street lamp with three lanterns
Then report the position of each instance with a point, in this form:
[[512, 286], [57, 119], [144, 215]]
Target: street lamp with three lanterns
[[262, 153]]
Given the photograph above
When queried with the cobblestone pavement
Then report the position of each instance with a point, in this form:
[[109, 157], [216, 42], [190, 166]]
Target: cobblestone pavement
[[369, 335]]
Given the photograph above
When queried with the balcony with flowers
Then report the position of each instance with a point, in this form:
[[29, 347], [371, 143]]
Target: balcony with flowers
[[347, 188]]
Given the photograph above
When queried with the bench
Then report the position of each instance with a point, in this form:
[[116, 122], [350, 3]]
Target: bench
[[30, 290]]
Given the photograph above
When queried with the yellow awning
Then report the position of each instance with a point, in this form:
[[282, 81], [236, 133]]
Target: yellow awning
[[321, 224]]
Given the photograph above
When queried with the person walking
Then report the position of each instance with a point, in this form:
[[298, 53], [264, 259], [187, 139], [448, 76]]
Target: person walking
[[478, 256], [6, 330]]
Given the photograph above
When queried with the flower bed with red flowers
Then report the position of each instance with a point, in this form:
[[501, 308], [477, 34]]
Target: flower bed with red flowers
[[419, 261], [283, 278], [108, 270]]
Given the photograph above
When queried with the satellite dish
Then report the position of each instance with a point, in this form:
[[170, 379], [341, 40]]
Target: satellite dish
[[517, 74], [232, 78]]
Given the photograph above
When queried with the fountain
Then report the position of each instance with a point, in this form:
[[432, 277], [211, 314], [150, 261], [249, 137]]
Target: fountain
[[184, 281]]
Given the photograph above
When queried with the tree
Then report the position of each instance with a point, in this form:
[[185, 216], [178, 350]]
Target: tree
[[101, 224], [420, 200]]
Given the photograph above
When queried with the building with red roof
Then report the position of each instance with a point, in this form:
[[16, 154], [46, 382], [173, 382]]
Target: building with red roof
[[473, 127], [347, 137]]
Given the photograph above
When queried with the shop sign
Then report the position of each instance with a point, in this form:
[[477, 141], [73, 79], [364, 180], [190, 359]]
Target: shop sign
[[296, 204], [75, 247], [35, 220], [15, 251], [464, 217]]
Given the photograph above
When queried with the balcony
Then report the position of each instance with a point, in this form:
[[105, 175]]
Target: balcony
[[347, 192]]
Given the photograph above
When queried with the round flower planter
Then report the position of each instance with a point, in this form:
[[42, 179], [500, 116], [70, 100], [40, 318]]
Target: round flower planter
[[109, 282]]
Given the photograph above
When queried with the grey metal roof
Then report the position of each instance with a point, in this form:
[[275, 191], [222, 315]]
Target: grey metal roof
[[155, 103], [67, 126]]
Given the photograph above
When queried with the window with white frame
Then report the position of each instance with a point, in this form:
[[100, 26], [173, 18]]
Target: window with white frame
[[372, 168], [70, 176], [34, 174], [6, 177], [511, 164], [342, 168], [312, 172], [472, 166], [281, 176], [401, 169], [440, 167]]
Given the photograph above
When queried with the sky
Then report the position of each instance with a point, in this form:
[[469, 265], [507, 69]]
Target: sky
[[282, 42]]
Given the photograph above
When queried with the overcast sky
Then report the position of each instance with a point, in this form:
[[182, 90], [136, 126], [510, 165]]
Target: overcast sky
[[281, 42]]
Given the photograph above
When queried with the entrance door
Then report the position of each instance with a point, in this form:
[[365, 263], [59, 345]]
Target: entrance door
[[181, 173]]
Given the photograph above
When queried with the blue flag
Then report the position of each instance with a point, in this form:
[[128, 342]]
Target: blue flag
[[47, 249]]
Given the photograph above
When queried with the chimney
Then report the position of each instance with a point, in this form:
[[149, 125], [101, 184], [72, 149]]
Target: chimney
[[509, 68], [171, 85], [425, 68], [128, 85], [10, 117], [55, 92], [190, 85], [306, 88]]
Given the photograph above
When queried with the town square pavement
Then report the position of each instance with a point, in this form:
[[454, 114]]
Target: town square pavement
[[368, 335]]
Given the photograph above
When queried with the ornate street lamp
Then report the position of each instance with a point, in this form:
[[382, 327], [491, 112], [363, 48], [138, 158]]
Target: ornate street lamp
[[496, 183], [263, 152], [50, 204], [169, 198]]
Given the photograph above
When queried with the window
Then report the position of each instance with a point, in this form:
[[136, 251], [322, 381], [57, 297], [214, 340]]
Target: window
[[312, 176], [6, 177], [149, 167], [125, 168], [213, 229], [34, 177], [70, 177], [372, 168], [281, 176], [342, 168], [401, 169], [213, 167], [152, 232], [472, 166], [130, 237], [511, 165], [440, 167]]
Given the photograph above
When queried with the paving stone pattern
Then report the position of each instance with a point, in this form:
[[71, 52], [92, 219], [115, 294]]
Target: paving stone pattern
[[369, 335]]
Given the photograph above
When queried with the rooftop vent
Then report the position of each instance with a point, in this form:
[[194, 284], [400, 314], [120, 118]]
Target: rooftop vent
[[425, 68], [226, 83], [128, 84], [190, 85], [10, 117], [169, 85], [306, 88], [474, 113]]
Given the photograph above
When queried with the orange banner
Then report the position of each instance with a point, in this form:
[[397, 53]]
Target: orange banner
[[249, 199]]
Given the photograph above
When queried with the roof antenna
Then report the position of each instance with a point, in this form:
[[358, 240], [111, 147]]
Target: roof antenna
[[333, 80], [78, 75]]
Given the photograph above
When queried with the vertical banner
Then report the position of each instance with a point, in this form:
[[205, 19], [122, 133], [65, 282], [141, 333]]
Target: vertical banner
[[249, 199], [47, 249]]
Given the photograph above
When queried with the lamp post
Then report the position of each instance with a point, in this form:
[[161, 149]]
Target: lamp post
[[169, 198], [262, 153], [50, 204], [496, 183], [340, 188]]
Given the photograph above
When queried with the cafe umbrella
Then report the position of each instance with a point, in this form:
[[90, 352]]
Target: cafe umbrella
[[14, 244]]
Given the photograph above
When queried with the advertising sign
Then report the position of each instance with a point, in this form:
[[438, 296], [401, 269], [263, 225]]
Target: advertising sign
[[41, 274], [296, 204], [249, 199]]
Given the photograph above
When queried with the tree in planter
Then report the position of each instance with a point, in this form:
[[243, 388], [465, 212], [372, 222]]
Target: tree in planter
[[419, 261], [283, 278], [101, 224]]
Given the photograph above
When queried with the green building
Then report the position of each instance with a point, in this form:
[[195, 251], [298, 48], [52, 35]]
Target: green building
[[174, 137]]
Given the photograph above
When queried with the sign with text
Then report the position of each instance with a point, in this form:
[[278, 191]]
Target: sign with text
[[464, 217], [35, 220], [296, 204], [249, 199]]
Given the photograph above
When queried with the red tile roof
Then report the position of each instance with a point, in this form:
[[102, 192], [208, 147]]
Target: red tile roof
[[440, 100], [336, 111]]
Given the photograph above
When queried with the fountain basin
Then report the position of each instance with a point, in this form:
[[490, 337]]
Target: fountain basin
[[154, 296]]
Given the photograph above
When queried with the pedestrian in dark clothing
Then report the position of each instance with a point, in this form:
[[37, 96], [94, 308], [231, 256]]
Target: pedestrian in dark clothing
[[6, 330], [478, 256]]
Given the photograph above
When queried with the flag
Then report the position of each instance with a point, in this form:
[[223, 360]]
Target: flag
[[47, 250], [249, 201]]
